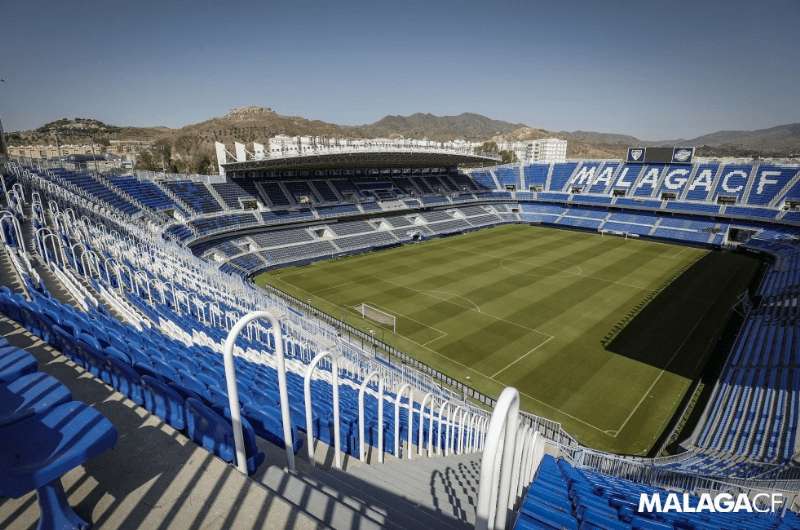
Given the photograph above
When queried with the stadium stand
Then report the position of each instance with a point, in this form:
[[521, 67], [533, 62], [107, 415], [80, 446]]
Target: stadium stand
[[150, 319], [275, 194], [564, 497], [232, 194], [195, 194], [146, 192]]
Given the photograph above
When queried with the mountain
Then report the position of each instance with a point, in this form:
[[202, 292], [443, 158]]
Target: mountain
[[469, 126], [82, 130], [580, 144], [190, 148], [780, 139]]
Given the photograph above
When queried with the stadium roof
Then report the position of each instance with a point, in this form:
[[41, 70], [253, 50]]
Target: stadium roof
[[364, 159]]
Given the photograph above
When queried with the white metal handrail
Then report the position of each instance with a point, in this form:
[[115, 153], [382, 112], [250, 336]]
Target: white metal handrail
[[496, 462], [337, 452], [511, 455], [362, 453], [233, 391], [17, 230], [421, 437], [397, 405]]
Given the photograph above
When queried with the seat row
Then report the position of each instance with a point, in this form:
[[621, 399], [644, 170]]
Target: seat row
[[562, 496], [44, 434]]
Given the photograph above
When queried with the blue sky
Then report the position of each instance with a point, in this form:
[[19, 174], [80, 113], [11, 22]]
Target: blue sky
[[653, 69]]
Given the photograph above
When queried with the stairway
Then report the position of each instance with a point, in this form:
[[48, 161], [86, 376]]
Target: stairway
[[438, 492], [445, 488], [8, 274], [50, 280]]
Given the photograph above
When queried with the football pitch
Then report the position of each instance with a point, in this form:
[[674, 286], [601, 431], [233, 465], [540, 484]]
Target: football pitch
[[600, 333]]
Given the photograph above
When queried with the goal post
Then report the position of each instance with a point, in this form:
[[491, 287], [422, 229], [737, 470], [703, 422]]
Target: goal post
[[382, 317]]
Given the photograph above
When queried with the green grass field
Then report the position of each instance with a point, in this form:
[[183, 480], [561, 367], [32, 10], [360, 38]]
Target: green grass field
[[602, 334]]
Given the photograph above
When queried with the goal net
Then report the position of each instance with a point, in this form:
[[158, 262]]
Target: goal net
[[377, 315]]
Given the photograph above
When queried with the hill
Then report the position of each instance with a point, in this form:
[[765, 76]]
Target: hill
[[190, 148], [783, 139], [82, 130], [468, 126]]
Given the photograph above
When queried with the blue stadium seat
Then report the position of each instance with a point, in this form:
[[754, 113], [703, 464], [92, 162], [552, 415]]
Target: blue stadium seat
[[30, 394], [36, 451], [214, 432], [14, 363], [164, 401]]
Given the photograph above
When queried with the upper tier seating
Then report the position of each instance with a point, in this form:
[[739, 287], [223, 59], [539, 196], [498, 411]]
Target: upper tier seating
[[483, 180], [146, 192], [232, 193], [560, 175], [508, 176], [195, 194], [324, 191], [275, 194], [346, 188], [536, 175], [405, 185], [301, 191], [96, 188], [222, 222]]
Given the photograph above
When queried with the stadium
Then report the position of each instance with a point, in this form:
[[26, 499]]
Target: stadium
[[402, 337], [406, 265]]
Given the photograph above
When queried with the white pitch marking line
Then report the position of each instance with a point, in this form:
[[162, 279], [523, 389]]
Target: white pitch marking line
[[439, 331], [608, 432], [518, 359], [501, 319], [478, 372], [661, 373]]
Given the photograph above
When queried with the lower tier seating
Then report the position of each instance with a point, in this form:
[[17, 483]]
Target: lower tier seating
[[43, 435], [562, 496]]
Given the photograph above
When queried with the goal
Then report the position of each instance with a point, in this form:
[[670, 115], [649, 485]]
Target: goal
[[382, 317]]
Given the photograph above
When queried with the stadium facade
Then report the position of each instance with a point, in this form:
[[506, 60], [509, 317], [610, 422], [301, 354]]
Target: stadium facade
[[156, 274]]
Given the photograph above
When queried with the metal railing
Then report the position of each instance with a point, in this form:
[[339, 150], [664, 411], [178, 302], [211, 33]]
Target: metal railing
[[511, 455]]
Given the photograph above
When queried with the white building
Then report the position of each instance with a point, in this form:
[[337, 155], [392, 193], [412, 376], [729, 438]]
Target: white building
[[542, 150], [282, 145], [546, 150]]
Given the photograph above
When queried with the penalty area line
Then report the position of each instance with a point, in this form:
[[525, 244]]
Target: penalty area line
[[518, 359]]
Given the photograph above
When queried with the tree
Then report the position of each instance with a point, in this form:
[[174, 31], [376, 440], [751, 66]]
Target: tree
[[202, 163], [146, 161], [163, 153], [487, 148], [507, 157]]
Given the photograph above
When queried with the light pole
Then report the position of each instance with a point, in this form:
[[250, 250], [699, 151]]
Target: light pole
[[3, 147], [94, 157]]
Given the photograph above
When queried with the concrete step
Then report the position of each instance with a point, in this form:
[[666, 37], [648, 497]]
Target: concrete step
[[400, 509], [448, 485], [8, 274], [154, 477], [374, 504], [323, 503], [50, 280]]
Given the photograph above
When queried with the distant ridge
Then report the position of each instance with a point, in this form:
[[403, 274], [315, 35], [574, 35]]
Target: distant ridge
[[247, 124]]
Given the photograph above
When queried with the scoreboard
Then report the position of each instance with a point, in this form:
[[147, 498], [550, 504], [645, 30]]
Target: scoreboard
[[660, 155]]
